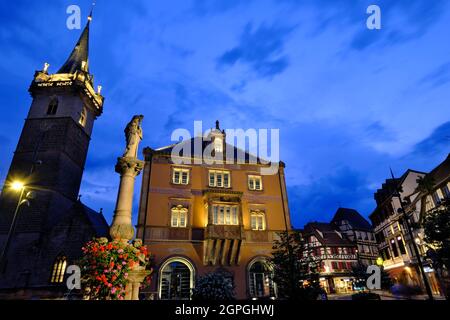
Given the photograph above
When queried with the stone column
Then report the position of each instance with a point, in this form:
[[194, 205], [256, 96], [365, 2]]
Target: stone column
[[122, 228]]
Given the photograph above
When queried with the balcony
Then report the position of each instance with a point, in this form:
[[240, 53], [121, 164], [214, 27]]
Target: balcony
[[223, 244]]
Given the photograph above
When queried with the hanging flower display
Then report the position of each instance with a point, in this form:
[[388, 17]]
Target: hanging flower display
[[105, 267]]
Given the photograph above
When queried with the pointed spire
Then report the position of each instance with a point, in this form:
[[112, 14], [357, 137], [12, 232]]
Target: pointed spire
[[79, 57]]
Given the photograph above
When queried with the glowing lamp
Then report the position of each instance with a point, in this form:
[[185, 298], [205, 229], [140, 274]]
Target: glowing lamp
[[380, 261], [17, 185]]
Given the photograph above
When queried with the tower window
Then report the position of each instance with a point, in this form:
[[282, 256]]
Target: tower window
[[83, 117], [52, 107], [59, 268]]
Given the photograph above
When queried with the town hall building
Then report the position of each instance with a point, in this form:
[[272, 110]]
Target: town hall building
[[199, 218]]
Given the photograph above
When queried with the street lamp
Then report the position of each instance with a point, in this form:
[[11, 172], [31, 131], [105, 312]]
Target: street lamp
[[380, 261], [16, 186]]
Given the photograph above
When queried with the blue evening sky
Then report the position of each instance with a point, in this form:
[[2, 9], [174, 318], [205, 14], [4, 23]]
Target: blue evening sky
[[349, 102]]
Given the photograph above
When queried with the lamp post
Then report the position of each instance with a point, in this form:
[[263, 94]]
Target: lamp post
[[16, 186]]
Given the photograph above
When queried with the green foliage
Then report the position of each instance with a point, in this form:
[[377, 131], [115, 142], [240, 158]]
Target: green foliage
[[214, 286], [295, 273], [425, 184], [436, 226]]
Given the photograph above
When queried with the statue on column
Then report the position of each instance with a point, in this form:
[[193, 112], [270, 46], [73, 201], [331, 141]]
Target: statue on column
[[133, 136]]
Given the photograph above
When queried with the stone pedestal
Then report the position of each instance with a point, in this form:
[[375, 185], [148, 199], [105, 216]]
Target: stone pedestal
[[122, 228], [135, 278]]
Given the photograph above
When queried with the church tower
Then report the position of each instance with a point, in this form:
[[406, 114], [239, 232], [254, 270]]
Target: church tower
[[49, 160]]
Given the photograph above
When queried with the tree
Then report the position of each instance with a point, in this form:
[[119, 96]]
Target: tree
[[436, 227], [295, 273], [214, 286]]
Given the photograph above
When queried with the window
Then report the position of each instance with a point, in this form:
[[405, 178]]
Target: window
[[180, 176], [218, 144], [436, 199], [255, 182], [334, 265], [401, 246], [176, 280], [446, 190], [225, 214], [219, 179], [83, 117], [178, 217], [52, 107], [257, 220], [394, 248], [59, 269], [261, 279]]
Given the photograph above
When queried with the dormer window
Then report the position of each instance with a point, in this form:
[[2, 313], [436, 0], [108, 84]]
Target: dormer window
[[218, 144], [52, 107]]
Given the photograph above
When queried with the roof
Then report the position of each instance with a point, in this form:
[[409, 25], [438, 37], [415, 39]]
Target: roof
[[79, 54], [441, 172], [354, 218], [193, 145], [388, 189], [326, 233], [96, 219]]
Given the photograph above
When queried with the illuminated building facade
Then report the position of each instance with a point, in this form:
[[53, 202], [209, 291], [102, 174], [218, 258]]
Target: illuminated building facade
[[199, 218], [335, 253], [391, 232], [421, 203], [359, 231]]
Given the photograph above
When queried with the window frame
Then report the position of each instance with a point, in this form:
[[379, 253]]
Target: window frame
[[219, 214], [83, 117], [219, 173], [251, 179], [179, 211], [52, 107], [58, 270], [180, 171], [258, 215]]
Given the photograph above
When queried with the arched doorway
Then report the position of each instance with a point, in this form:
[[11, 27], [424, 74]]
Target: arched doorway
[[260, 273], [176, 279]]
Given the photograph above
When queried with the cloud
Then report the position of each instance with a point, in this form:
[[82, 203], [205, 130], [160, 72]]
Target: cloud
[[204, 7], [401, 21], [261, 49], [319, 200], [437, 143], [437, 77]]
